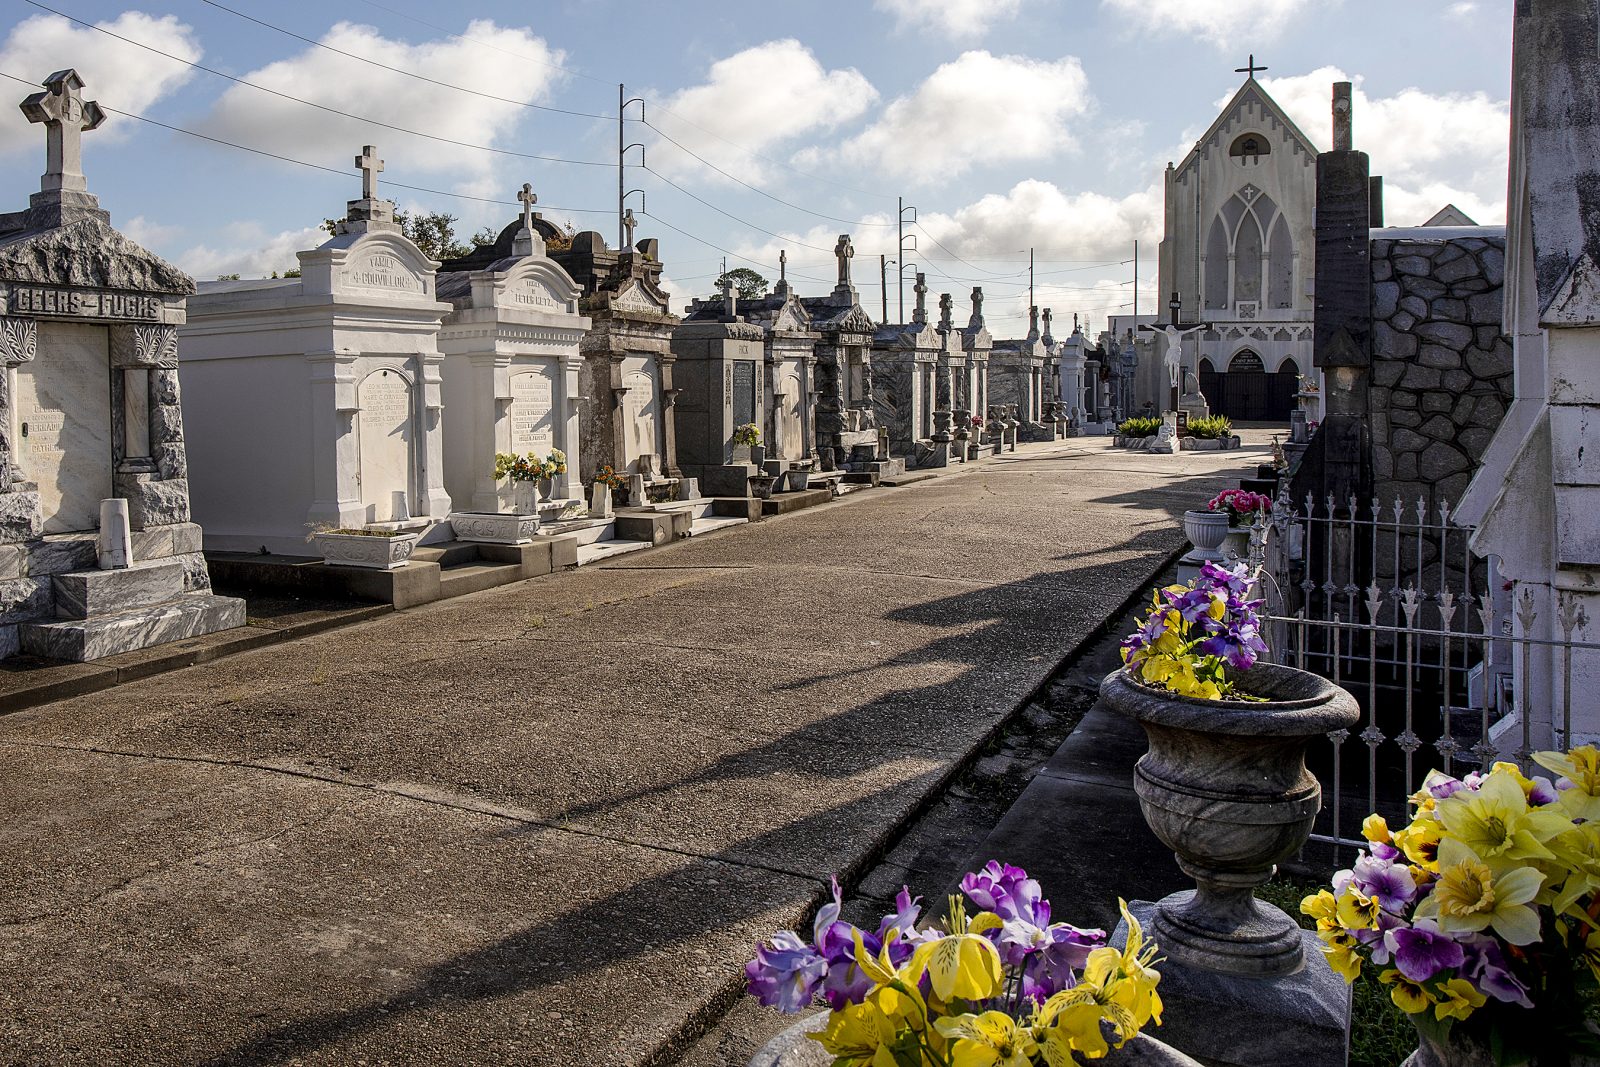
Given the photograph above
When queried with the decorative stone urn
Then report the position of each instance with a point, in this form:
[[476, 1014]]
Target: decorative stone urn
[[494, 528], [1206, 530], [1225, 786], [373, 551], [1236, 544], [791, 1048], [761, 486]]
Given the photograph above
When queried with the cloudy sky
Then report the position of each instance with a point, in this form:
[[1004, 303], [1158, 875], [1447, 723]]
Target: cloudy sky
[[1008, 124]]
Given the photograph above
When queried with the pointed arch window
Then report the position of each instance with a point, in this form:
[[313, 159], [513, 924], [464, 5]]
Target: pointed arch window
[[1249, 254], [1280, 266]]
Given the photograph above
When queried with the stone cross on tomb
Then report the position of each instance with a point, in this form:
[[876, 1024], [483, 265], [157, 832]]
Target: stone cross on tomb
[[783, 265], [921, 289], [528, 198], [844, 251], [628, 223], [1047, 315], [1250, 68], [977, 308], [944, 313], [66, 115], [370, 166]]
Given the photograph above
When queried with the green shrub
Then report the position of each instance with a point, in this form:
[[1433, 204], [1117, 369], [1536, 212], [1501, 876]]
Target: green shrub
[[1138, 427], [1212, 428]]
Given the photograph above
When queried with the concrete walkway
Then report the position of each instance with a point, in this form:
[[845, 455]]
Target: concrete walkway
[[544, 823]]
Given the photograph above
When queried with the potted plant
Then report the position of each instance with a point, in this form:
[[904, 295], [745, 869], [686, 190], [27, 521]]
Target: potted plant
[[524, 472], [1240, 506], [1482, 915], [1224, 784], [749, 436], [996, 983], [383, 550]]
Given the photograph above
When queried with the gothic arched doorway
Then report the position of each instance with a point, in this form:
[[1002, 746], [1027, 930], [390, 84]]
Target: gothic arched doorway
[[1245, 392]]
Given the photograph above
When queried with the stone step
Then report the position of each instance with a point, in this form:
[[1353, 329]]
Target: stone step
[[190, 615], [447, 553], [600, 550], [707, 523], [783, 503], [84, 594], [474, 577]]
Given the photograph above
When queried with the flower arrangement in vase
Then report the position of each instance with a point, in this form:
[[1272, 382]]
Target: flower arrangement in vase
[[1482, 915], [1241, 505], [1195, 634], [998, 984], [523, 471], [608, 477]]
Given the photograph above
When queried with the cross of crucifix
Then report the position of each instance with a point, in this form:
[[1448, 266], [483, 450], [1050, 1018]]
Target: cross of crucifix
[[370, 166], [1249, 68], [66, 115], [783, 265], [628, 223], [528, 198]]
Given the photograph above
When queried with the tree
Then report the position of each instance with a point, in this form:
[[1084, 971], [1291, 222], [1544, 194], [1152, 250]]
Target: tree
[[751, 286], [434, 232]]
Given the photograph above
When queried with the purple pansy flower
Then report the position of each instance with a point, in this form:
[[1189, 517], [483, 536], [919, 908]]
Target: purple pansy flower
[[1008, 892], [1390, 884], [1486, 969], [1421, 951], [785, 973]]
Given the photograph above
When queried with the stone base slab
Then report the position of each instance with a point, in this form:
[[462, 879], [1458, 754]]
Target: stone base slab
[[90, 593], [1301, 1018], [79, 640]]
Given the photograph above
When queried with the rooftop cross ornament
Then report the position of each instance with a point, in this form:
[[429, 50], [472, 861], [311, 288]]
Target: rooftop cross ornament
[[944, 313], [844, 251], [783, 265], [370, 166], [921, 289], [976, 322], [1250, 68], [528, 198], [66, 115], [628, 224]]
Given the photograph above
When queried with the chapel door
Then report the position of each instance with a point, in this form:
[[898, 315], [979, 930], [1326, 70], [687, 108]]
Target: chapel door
[[63, 424], [387, 461]]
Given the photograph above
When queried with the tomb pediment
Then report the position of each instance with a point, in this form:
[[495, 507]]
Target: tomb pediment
[[375, 263], [537, 285], [791, 318], [88, 254], [639, 295], [1250, 107]]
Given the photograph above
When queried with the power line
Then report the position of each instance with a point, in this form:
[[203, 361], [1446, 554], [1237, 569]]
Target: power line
[[735, 218], [313, 166], [311, 103], [398, 70]]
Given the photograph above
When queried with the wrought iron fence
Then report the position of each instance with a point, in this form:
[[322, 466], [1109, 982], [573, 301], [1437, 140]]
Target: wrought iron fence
[[1389, 602]]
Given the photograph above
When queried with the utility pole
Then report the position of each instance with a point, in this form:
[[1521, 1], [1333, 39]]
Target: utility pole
[[1031, 301], [883, 283], [1136, 283], [900, 266], [622, 152]]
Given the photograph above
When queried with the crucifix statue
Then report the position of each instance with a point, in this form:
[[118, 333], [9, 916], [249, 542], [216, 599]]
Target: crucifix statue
[[844, 251], [370, 166], [66, 115], [528, 198], [628, 223]]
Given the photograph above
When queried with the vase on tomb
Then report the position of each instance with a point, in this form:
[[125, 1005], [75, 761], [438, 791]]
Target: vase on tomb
[[761, 486], [1205, 531], [546, 486], [1225, 786], [523, 500], [758, 454], [1236, 544]]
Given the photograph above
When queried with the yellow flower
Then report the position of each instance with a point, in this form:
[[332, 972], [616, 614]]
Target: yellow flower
[[1407, 995], [1458, 998], [1471, 897], [1340, 949], [1495, 822], [1117, 987], [1581, 767], [1376, 830], [860, 1035], [1064, 1026], [1323, 908], [961, 966], [1420, 842], [992, 1039], [1357, 912]]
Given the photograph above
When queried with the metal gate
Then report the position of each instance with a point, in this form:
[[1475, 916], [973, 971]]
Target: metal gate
[[1389, 602], [1250, 396]]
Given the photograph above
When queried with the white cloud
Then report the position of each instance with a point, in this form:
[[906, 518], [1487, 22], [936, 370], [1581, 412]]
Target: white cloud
[[1222, 22], [957, 19], [116, 73], [977, 108], [251, 251], [518, 67], [146, 232], [1462, 10], [757, 99], [1429, 147]]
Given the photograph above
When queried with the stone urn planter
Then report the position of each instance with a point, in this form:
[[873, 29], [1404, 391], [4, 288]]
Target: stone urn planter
[[374, 551], [761, 486], [546, 487], [1225, 786], [799, 480], [791, 1048], [494, 528], [1205, 530], [1236, 544], [758, 455]]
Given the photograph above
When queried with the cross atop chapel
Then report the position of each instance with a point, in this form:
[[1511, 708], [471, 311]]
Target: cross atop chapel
[[66, 115], [1250, 68], [370, 166]]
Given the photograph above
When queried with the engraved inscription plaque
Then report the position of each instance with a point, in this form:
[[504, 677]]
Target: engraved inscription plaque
[[387, 447], [744, 391], [532, 411], [63, 424]]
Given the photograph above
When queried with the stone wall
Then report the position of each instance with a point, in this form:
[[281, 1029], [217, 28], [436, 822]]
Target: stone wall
[[1441, 368]]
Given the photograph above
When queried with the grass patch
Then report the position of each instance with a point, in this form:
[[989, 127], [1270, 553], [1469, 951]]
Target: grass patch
[[1380, 1035]]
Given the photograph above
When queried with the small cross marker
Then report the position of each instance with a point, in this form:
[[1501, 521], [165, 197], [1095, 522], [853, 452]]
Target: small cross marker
[[628, 224], [1249, 68], [370, 166], [66, 115], [528, 198]]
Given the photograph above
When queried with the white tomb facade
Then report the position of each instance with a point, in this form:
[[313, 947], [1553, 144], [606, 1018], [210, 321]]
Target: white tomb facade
[[317, 401]]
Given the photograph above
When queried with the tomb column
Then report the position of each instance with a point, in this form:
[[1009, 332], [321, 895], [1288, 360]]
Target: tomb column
[[20, 518], [669, 424], [336, 499], [571, 483], [430, 479]]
